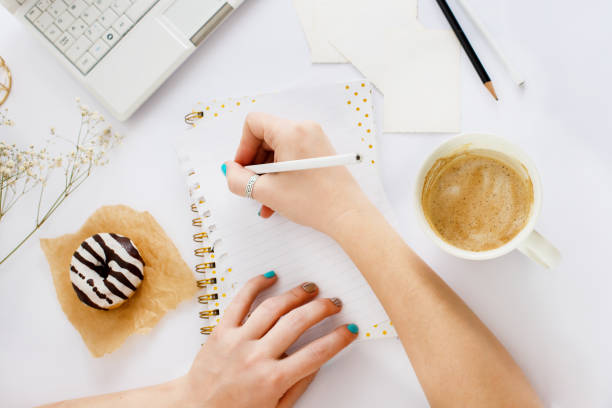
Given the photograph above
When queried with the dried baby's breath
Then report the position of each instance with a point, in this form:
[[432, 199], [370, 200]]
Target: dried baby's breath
[[25, 169], [4, 120]]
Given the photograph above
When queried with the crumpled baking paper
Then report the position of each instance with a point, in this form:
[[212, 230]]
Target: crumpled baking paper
[[167, 279]]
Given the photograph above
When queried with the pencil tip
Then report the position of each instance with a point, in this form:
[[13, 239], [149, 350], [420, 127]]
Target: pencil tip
[[489, 86]]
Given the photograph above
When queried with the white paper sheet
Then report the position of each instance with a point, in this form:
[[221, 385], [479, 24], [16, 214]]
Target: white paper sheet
[[423, 88], [366, 52], [321, 51], [363, 15], [298, 254], [417, 70]]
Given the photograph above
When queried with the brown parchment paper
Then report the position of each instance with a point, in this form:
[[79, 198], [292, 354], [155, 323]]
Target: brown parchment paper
[[167, 278]]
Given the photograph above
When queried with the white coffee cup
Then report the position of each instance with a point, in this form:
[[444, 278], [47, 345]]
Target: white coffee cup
[[528, 240]]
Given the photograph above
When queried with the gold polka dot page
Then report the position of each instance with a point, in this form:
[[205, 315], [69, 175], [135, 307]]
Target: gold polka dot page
[[217, 283], [379, 331], [358, 99]]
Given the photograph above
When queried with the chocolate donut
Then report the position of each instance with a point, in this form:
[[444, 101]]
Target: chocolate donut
[[105, 270]]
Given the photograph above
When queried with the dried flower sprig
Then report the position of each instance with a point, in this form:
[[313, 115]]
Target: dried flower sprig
[[4, 120], [23, 170]]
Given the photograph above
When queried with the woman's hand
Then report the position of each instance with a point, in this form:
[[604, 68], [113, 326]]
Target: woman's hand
[[244, 364], [316, 198]]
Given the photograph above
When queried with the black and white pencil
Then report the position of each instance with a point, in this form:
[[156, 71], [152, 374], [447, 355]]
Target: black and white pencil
[[516, 76], [465, 43]]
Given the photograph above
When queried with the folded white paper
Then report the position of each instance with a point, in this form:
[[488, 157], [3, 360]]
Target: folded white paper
[[422, 89], [321, 51], [417, 70]]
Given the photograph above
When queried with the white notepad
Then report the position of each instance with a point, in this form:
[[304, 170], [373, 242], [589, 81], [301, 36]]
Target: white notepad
[[240, 244]]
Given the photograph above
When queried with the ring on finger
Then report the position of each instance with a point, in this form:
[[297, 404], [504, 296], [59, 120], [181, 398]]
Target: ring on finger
[[250, 187]]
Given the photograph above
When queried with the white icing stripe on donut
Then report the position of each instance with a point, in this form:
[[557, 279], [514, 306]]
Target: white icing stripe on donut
[[134, 280], [98, 282], [120, 286], [87, 290], [123, 268], [120, 250], [97, 248], [87, 256]]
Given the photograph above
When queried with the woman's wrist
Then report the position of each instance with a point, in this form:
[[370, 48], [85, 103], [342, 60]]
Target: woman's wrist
[[179, 393], [345, 225]]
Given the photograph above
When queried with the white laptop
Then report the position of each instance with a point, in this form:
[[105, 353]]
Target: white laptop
[[122, 50]]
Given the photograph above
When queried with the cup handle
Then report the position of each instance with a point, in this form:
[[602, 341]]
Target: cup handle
[[540, 250]]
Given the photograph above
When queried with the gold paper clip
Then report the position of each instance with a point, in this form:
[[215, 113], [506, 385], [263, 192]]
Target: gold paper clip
[[192, 117], [206, 329], [6, 82]]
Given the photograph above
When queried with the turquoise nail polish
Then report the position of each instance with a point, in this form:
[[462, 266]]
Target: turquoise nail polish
[[270, 275], [353, 328], [224, 169], [259, 213]]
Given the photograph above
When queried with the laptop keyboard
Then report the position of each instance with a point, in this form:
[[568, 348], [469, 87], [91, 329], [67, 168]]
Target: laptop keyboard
[[86, 30]]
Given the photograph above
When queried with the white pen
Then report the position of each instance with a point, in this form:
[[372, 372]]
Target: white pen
[[515, 75], [306, 164]]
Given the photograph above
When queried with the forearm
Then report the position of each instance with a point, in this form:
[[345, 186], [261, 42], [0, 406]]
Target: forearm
[[456, 358], [170, 394]]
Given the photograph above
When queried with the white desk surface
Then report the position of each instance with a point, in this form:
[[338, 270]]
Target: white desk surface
[[555, 323]]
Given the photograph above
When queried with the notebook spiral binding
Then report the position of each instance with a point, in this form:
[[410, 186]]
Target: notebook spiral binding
[[192, 117], [207, 248]]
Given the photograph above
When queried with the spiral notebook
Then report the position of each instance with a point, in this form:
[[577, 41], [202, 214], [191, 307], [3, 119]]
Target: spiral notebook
[[232, 243]]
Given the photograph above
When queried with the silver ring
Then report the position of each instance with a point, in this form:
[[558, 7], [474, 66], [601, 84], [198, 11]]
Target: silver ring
[[251, 186]]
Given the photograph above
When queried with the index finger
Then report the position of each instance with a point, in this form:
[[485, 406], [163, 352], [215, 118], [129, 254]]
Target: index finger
[[242, 302], [312, 356], [258, 132]]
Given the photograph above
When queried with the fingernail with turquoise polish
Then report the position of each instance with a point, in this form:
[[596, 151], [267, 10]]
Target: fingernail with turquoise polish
[[224, 169], [269, 275], [259, 213], [353, 328]]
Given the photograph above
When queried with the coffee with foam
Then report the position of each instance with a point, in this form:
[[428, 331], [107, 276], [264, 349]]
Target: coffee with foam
[[477, 200]]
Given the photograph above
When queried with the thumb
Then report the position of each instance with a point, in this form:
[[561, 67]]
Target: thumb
[[238, 177]]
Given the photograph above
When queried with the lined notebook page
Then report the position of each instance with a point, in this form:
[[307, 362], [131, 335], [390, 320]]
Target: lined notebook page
[[251, 245]]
